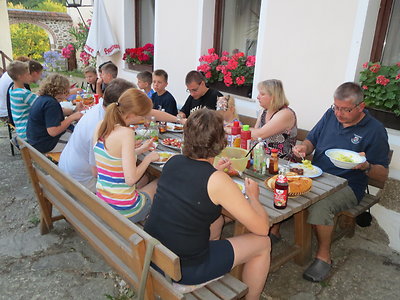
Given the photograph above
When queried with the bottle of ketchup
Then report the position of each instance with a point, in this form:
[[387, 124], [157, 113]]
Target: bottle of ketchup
[[245, 137], [281, 191]]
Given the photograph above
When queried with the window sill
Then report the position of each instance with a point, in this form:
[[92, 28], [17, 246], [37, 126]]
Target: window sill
[[140, 68], [244, 91]]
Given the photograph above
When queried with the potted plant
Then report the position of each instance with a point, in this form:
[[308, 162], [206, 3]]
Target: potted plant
[[231, 73], [140, 58], [381, 85]]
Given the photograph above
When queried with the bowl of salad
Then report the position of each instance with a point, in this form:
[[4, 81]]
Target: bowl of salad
[[344, 159]]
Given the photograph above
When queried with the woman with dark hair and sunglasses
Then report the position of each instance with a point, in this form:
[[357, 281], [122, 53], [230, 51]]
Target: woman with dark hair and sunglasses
[[186, 212]]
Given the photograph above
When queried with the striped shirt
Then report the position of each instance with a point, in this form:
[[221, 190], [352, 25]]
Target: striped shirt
[[21, 101], [111, 186]]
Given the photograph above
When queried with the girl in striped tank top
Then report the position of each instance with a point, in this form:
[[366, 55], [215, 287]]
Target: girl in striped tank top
[[115, 154]]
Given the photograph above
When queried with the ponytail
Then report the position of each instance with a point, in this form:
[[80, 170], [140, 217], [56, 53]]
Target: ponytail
[[113, 117]]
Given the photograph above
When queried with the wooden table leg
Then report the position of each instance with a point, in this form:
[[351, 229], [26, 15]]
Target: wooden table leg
[[302, 236]]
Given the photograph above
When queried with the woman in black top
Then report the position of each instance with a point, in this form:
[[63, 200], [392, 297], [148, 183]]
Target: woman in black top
[[186, 212]]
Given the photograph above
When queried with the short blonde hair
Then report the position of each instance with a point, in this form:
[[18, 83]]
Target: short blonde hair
[[54, 85], [274, 88], [17, 68]]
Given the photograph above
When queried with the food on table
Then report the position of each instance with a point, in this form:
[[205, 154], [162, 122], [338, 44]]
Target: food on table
[[174, 127], [231, 171], [307, 164], [164, 156], [298, 171], [178, 127], [297, 185], [172, 142]]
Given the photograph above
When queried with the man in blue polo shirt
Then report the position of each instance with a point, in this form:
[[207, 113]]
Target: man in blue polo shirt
[[345, 125]]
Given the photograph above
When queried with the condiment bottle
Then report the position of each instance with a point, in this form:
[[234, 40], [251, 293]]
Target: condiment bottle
[[163, 125], [153, 129], [245, 137], [96, 98], [281, 191], [235, 134], [258, 156], [273, 162]]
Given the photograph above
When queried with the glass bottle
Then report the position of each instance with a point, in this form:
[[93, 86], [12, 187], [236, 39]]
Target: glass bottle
[[281, 191], [258, 156], [273, 162], [153, 129]]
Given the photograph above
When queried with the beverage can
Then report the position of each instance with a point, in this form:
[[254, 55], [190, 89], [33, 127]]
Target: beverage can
[[281, 192]]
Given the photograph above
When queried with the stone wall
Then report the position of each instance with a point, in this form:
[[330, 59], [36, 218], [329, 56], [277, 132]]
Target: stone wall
[[55, 24]]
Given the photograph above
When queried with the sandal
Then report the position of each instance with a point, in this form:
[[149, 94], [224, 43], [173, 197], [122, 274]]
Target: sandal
[[274, 238], [317, 271]]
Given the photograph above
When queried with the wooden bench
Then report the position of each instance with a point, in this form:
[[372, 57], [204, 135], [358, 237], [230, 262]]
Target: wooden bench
[[123, 244], [345, 220]]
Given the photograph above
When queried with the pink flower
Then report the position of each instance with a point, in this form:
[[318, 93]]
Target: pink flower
[[251, 61], [398, 64], [382, 80], [375, 68], [397, 77], [240, 80], [211, 51], [228, 79], [225, 53], [232, 64], [208, 74], [365, 87], [365, 65]]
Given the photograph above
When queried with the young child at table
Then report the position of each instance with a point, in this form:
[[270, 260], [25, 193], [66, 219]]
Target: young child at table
[[226, 107], [108, 72], [91, 79], [144, 80], [115, 155], [21, 99], [162, 99], [48, 130]]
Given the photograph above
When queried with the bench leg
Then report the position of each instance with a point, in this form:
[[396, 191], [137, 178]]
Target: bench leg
[[348, 224], [302, 236], [46, 223]]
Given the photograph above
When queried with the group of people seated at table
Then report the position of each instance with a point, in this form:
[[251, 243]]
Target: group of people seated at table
[[182, 208]]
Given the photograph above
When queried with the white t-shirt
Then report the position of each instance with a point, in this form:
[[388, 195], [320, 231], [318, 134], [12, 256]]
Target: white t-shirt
[[5, 82], [77, 158]]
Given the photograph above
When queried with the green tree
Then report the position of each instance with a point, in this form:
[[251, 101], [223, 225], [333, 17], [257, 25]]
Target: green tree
[[50, 5], [29, 40]]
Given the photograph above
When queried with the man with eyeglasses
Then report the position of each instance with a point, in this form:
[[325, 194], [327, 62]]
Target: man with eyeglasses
[[346, 125], [200, 95]]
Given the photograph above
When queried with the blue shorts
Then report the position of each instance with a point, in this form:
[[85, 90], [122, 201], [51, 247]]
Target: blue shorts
[[218, 262]]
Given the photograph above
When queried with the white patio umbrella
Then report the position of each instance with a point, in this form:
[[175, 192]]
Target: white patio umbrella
[[101, 38]]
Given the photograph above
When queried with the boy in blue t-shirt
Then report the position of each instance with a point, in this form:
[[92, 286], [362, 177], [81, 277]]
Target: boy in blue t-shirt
[[144, 80], [162, 99], [21, 99]]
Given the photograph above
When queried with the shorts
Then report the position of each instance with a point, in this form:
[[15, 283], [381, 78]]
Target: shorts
[[323, 212], [216, 263], [144, 212]]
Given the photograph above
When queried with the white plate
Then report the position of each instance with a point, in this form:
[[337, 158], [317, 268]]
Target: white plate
[[172, 147], [67, 104], [240, 185], [161, 153], [310, 173], [171, 127], [334, 156]]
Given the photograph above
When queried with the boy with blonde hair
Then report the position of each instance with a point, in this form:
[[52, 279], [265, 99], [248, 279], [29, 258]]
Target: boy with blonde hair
[[91, 79], [144, 80], [108, 72], [21, 99]]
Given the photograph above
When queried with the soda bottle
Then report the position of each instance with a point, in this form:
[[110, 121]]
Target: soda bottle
[[258, 156], [281, 191], [153, 129], [245, 137], [163, 125], [273, 162]]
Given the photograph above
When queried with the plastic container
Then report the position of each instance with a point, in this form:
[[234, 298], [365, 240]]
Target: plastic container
[[281, 191], [245, 137], [153, 129], [258, 156], [236, 156]]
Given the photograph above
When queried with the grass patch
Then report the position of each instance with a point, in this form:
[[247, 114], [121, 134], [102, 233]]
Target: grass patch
[[34, 220], [75, 73]]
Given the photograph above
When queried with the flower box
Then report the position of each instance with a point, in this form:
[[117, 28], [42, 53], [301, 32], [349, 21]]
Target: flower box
[[140, 67], [387, 118], [244, 91]]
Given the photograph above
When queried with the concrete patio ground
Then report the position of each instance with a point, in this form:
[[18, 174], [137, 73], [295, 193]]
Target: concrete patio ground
[[61, 265]]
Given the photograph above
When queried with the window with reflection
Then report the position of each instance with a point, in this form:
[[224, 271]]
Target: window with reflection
[[236, 25], [391, 48], [144, 22]]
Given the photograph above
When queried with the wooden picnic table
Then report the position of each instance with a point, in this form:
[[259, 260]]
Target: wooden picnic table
[[322, 186]]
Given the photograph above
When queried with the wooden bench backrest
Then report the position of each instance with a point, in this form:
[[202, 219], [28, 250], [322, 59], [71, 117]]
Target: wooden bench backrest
[[121, 242]]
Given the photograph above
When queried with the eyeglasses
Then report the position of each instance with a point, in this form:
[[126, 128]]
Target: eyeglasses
[[343, 109], [193, 90]]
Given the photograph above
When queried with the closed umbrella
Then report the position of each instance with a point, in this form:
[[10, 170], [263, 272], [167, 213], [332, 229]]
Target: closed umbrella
[[101, 38]]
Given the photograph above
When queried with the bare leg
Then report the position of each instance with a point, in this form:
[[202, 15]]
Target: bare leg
[[150, 189], [216, 228], [254, 251], [142, 182], [324, 236]]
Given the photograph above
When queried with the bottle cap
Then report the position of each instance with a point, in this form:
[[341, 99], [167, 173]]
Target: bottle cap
[[273, 150], [236, 124], [246, 128]]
